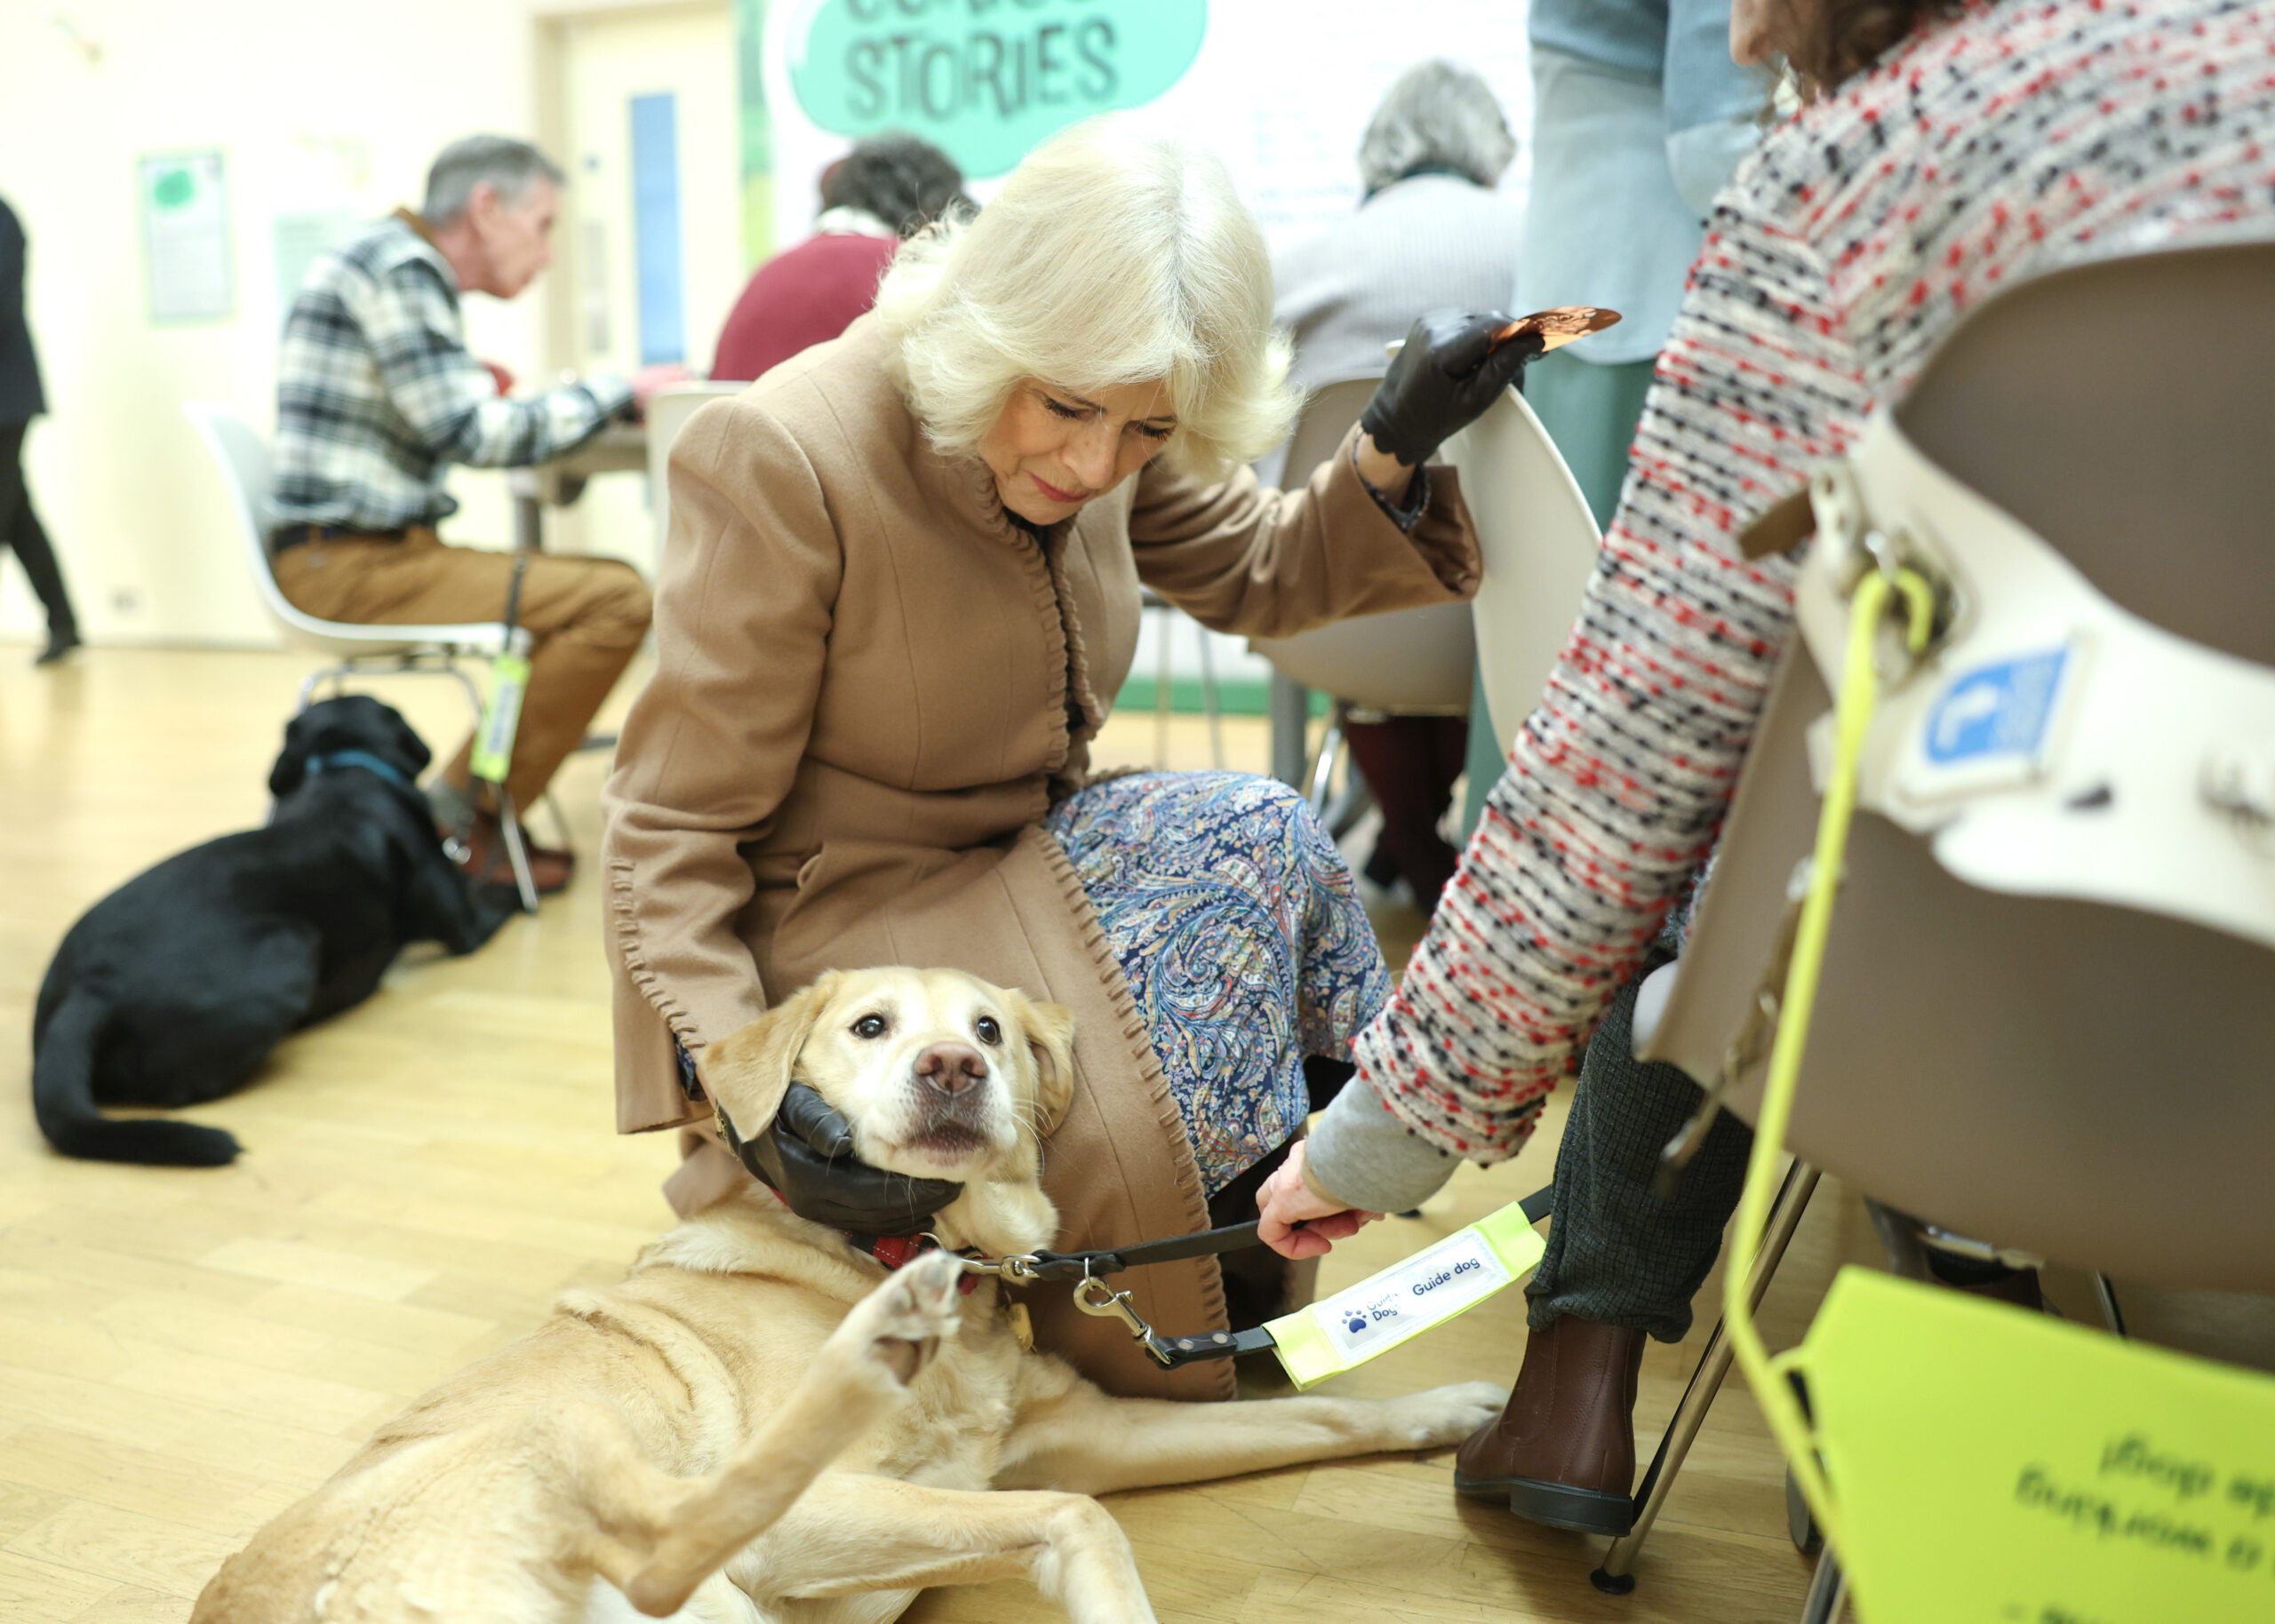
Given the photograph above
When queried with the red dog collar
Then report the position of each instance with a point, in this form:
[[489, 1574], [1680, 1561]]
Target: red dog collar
[[899, 1251]]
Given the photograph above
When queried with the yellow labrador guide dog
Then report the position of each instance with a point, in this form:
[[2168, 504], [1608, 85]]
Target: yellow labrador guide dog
[[762, 1424]]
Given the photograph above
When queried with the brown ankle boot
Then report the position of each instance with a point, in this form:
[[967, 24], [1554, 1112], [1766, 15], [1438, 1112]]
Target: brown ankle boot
[[1563, 1451]]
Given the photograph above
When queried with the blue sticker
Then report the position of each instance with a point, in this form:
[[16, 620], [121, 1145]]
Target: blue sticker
[[2000, 709]]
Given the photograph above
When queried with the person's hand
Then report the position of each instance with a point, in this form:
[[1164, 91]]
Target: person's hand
[[806, 1153], [650, 381], [1295, 1220], [1442, 380], [499, 376]]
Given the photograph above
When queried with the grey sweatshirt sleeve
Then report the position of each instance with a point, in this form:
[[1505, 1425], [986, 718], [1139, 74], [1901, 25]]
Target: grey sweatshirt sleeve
[[1366, 1156]]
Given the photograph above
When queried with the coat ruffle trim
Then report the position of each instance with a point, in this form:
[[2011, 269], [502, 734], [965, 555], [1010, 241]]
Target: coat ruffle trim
[[630, 951]]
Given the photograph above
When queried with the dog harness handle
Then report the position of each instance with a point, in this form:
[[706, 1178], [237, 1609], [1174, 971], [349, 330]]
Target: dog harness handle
[[1113, 1260]]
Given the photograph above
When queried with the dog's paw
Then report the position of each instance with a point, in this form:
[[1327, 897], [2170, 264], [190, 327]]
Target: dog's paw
[[901, 1322], [1446, 1415]]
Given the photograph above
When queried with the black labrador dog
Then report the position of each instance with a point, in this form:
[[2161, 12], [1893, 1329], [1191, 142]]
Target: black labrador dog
[[172, 989]]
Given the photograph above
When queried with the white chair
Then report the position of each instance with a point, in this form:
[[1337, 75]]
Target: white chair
[[668, 411], [357, 651], [1540, 545], [1418, 662]]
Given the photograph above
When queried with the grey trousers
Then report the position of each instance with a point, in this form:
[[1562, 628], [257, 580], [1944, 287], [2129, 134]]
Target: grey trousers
[[1617, 1252]]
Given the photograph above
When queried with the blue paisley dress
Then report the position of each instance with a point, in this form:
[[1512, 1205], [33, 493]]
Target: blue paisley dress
[[1241, 937]]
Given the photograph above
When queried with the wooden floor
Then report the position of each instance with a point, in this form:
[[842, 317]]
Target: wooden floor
[[183, 1353]]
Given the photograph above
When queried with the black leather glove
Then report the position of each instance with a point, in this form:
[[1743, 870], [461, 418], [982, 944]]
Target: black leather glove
[[1448, 373], [806, 1153]]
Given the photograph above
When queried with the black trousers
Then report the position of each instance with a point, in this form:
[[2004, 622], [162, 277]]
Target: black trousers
[[1618, 1251], [21, 529]]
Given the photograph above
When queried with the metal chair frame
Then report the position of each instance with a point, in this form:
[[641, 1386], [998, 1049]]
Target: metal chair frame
[[361, 651]]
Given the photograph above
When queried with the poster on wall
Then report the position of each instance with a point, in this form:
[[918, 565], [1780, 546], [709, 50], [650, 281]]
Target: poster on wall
[[299, 237], [1281, 93], [185, 206]]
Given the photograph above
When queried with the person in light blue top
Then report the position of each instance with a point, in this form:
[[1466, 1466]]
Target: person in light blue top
[[1639, 116]]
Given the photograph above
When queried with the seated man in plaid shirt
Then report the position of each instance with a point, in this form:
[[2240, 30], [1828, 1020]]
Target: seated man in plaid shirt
[[377, 395]]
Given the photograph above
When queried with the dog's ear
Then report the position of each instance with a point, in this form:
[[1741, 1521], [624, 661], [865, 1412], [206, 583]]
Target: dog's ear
[[410, 750], [748, 1072], [293, 766], [1049, 1030]]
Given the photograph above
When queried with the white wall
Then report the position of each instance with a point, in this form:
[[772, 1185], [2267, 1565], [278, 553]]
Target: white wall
[[315, 106], [320, 107]]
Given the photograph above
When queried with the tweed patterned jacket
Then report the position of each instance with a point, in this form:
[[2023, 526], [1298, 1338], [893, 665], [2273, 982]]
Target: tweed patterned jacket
[[2005, 140]]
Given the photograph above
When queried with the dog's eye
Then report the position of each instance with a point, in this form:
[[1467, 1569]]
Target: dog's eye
[[989, 1033], [869, 1026]]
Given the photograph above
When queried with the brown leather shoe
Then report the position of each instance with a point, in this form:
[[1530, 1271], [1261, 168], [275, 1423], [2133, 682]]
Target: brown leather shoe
[[1562, 1452], [485, 863]]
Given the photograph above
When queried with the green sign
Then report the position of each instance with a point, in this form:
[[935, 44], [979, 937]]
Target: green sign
[[174, 189], [986, 80]]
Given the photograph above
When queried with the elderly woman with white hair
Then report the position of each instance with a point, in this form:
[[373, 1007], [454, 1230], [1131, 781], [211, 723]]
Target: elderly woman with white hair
[[1431, 232], [900, 595]]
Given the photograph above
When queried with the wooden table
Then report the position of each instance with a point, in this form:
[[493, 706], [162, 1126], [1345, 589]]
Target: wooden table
[[620, 448]]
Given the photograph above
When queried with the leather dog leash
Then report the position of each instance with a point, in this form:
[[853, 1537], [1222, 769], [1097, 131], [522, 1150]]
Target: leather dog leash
[[1093, 1295]]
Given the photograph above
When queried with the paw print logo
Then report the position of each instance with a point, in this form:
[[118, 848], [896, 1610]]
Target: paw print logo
[[1356, 1322]]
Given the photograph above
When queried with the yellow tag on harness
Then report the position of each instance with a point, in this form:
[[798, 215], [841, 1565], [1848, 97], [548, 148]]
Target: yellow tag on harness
[[493, 742], [1406, 1299]]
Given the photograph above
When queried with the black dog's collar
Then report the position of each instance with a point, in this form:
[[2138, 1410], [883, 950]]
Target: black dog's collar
[[334, 759], [893, 1251]]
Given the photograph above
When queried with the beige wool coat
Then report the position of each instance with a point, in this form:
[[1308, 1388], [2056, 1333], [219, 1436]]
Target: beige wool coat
[[870, 687]]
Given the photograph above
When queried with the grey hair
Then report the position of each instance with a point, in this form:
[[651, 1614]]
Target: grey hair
[[1439, 115], [1110, 256], [512, 166]]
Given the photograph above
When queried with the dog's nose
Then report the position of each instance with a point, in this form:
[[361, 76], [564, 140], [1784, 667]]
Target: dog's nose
[[950, 1067]]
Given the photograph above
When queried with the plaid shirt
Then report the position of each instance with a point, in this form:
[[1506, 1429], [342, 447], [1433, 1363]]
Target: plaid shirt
[[377, 393]]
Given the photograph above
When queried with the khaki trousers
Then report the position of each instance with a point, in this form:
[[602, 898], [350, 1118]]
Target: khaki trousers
[[587, 615]]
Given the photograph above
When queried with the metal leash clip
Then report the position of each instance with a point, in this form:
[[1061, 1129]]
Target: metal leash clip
[[1018, 1269], [1095, 1296]]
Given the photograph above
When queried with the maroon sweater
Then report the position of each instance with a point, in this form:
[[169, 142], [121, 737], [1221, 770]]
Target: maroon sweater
[[802, 296]]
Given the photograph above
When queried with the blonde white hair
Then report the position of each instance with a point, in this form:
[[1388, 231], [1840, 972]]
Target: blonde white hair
[[1109, 257]]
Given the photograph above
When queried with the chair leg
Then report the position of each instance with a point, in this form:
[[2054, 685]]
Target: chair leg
[[1209, 699], [1162, 691], [1330, 748], [471, 688], [1345, 811], [1617, 1576], [2105, 1292], [1290, 706], [337, 675], [560, 820], [509, 827], [1828, 1596]]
